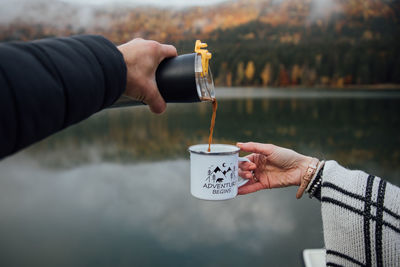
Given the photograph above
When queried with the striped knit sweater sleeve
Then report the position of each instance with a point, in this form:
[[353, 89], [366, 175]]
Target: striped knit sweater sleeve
[[360, 216]]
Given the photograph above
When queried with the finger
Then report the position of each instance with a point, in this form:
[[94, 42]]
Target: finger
[[168, 51], [247, 166], [250, 188], [252, 157], [155, 100], [265, 149], [245, 174]]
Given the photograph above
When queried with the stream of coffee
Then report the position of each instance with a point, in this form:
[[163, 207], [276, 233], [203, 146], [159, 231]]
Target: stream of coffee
[[215, 106]]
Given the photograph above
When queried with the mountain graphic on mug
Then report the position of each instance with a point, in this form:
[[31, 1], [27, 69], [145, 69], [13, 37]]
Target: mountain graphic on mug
[[219, 174]]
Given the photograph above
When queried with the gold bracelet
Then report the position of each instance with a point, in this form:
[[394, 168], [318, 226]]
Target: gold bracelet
[[305, 180]]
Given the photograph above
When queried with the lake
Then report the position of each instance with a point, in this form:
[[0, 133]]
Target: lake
[[114, 189]]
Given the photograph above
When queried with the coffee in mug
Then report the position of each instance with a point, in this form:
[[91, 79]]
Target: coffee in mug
[[214, 175]]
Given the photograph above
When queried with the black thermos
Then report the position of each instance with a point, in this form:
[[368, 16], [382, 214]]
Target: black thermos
[[176, 79], [181, 79]]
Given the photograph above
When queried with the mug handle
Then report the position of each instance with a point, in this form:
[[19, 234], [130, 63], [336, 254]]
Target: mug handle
[[242, 181]]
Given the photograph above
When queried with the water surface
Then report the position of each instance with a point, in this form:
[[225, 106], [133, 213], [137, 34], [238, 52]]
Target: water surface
[[114, 189]]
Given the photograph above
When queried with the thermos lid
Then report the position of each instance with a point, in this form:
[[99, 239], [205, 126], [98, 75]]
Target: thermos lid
[[204, 79]]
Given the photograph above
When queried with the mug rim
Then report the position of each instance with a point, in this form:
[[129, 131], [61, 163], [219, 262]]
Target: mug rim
[[202, 152]]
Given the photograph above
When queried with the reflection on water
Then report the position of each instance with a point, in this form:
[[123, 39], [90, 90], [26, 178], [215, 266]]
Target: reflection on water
[[112, 214], [358, 132], [114, 190]]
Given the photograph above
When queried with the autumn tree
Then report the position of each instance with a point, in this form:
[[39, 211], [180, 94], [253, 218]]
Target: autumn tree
[[228, 81], [283, 76], [266, 75], [249, 72], [239, 73], [296, 74]]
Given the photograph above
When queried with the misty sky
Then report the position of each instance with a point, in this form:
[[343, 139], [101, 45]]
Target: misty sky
[[148, 2], [34, 10], [81, 12]]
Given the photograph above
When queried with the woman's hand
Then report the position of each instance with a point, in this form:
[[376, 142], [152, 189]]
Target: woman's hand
[[142, 58], [271, 167]]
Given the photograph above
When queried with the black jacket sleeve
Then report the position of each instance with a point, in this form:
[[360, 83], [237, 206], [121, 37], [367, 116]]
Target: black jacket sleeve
[[49, 84]]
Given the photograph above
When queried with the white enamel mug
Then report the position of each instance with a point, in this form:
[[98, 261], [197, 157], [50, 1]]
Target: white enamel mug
[[214, 175]]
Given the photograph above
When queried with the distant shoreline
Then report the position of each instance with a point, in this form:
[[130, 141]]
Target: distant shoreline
[[394, 87], [304, 93]]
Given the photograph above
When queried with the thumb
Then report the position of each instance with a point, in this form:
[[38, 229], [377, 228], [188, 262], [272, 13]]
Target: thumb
[[167, 51]]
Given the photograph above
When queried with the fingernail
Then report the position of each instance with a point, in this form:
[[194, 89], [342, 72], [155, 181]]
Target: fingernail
[[239, 144]]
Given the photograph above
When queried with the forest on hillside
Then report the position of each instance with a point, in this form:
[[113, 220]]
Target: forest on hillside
[[360, 53], [263, 42]]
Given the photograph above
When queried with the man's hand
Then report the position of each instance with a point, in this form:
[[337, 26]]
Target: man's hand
[[142, 58]]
